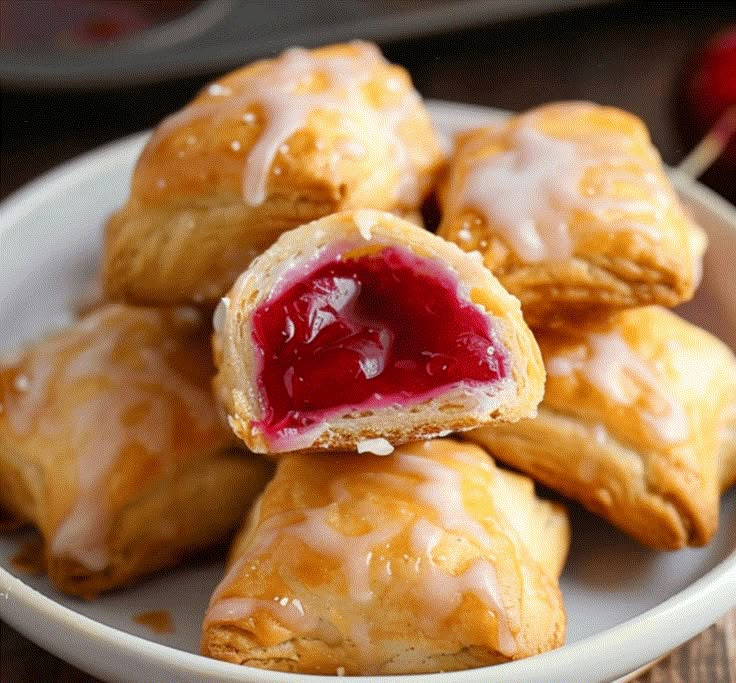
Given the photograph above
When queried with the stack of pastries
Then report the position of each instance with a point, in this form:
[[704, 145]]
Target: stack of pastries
[[368, 374], [569, 206]]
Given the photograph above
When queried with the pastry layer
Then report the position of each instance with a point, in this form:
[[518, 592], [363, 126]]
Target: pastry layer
[[264, 149], [727, 455], [112, 446], [571, 209], [430, 559], [367, 293], [636, 410]]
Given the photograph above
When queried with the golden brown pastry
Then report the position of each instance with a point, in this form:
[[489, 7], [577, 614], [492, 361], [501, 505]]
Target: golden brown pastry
[[727, 455], [634, 414], [111, 444], [430, 559], [363, 331], [571, 209], [262, 150]]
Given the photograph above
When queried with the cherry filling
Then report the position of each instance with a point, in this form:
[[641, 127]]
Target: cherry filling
[[366, 332]]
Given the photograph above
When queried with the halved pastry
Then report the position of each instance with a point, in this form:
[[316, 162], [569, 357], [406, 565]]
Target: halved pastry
[[634, 415], [571, 209], [363, 331], [262, 150], [112, 446], [431, 559]]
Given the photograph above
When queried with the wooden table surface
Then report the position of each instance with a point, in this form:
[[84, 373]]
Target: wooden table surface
[[631, 55]]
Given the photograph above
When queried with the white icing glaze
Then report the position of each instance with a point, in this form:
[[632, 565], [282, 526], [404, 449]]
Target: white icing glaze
[[220, 315], [360, 634], [365, 221], [217, 90], [378, 446], [462, 456], [21, 383], [616, 370], [354, 552], [587, 469], [133, 403], [278, 89], [530, 191], [600, 434], [444, 592], [425, 537], [441, 489], [438, 486], [34, 388]]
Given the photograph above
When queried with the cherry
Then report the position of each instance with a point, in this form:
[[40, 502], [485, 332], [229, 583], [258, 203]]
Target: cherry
[[713, 84], [367, 332]]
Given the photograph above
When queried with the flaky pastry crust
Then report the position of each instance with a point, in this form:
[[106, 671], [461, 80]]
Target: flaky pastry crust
[[262, 150], [727, 455], [111, 445], [430, 559], [635, 412], [458, 408], [571, 208]]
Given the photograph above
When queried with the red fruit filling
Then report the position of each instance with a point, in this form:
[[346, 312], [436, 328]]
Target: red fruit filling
[[366, 332], [713, 91]]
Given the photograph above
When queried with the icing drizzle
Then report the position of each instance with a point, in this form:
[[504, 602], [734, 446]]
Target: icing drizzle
[[610, 365], [133, 396], [531, 191], [281, 89], [438, 486]]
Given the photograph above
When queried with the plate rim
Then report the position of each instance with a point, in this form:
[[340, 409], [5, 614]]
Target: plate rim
[[74, 72], [615, 651]]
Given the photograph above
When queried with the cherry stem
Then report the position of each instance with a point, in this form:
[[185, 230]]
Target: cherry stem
[[701, 158]]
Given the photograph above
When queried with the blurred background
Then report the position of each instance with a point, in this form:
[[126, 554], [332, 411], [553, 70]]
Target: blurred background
[[78, 73]]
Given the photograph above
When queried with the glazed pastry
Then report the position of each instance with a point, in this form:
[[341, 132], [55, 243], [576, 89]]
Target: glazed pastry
[[111, 444], [431, 559], [264, 149], [571, 209], [727, 456], [363, 331], [634, 414]]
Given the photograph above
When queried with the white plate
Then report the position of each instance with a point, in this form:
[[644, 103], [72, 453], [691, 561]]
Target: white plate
[[626, 605]]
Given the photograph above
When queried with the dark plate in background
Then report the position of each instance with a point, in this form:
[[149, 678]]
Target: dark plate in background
[[206, 36]]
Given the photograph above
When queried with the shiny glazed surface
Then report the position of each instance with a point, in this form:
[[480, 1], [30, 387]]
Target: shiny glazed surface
[[366, 329]]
